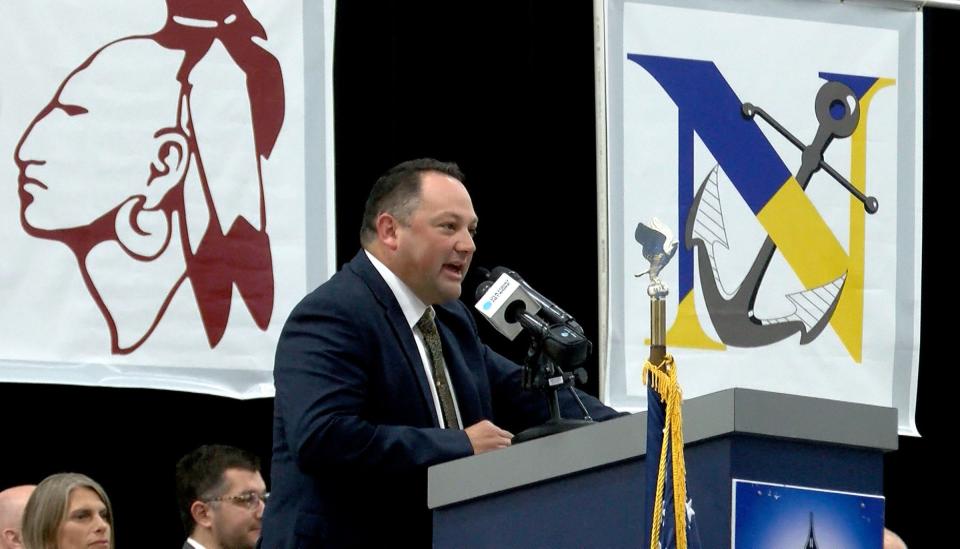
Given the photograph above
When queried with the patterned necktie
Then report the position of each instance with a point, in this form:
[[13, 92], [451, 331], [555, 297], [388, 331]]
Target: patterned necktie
[[431, 338]]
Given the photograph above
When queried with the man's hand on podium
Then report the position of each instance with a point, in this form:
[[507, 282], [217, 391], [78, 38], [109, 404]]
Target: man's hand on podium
[[485, 436]]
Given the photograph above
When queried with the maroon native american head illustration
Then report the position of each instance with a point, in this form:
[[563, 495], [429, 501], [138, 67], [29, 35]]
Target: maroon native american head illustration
[[147, 164]]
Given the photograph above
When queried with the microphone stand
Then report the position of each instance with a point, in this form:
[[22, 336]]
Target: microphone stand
[[549, 349]]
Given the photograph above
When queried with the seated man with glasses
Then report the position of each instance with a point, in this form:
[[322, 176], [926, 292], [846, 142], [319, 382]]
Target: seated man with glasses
[[221, 496]]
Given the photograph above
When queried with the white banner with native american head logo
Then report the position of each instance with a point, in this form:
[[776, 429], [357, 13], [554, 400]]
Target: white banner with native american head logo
[[781, 149], [155, 232]]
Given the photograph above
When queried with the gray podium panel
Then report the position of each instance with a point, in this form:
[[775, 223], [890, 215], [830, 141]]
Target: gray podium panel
[[587, 484]]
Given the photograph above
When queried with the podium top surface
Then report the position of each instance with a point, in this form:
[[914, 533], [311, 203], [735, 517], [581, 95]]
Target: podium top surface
[[732, 411]]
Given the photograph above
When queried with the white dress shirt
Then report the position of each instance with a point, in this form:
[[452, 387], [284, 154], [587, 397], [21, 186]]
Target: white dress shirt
[[413, 308]]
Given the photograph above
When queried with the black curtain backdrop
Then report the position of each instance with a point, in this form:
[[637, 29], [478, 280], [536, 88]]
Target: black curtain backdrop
[[509, 95]]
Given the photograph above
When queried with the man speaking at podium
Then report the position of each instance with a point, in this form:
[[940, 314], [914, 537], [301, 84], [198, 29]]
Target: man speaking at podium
[[380, 373]]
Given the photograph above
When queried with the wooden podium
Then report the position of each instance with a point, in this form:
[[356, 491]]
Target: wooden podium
[[584, 488]]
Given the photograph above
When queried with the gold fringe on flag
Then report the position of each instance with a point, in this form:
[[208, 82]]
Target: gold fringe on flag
[[663, 379]]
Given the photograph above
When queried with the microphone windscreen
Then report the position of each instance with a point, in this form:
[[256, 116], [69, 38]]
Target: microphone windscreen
[[482, 289], [497, 272]]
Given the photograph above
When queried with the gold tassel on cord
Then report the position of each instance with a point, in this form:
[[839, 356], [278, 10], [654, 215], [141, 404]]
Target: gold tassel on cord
[[663, 380]]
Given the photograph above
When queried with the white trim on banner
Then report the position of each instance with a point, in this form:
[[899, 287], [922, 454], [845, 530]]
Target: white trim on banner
[[600, 99]]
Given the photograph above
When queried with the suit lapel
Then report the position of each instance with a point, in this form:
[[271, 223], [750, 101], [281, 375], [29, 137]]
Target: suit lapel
[[398, 324], [403, 333], [468, 398]]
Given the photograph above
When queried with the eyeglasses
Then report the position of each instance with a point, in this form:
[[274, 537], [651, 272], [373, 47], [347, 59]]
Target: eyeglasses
[[250, 500]]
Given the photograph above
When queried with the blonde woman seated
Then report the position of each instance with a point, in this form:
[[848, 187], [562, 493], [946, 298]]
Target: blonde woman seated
[[68, 511]]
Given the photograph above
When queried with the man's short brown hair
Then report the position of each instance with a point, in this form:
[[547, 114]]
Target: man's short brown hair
[[397, 192]]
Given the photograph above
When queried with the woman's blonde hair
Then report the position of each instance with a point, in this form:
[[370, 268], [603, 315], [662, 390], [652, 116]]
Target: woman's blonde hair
[[48, 506]]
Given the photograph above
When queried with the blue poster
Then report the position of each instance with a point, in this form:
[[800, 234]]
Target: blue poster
[[774, 516]]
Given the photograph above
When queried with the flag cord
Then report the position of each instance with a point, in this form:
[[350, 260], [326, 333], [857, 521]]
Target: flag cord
[[662, 378]]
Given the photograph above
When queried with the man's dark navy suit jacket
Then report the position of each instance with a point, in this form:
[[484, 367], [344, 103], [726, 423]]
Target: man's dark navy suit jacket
[[354, 422]]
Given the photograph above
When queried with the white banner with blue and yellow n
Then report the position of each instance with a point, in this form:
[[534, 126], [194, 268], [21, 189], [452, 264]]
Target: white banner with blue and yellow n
[[780, 140]]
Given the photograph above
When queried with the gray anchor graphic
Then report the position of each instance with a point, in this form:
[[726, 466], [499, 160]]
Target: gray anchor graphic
[[733, 314]]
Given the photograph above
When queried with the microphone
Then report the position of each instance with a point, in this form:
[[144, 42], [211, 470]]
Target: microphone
[[548, 309], [508, 307]]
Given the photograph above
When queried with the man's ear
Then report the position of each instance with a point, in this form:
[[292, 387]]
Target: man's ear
[[201, 513], [387, 226], [168, 166]]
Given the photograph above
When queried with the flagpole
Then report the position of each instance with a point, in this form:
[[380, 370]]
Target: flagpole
[[658, 323], [658, 424], [666, 472], [658, 246]]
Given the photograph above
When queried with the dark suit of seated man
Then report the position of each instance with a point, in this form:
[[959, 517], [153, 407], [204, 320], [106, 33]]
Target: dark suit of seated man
[[363, 404]]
